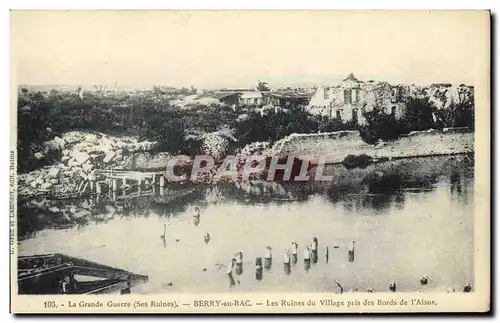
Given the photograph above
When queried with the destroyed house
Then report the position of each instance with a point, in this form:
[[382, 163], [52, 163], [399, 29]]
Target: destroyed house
[[286, 100]]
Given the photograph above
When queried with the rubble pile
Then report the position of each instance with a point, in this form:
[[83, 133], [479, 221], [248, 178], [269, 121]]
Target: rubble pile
[[81, 154]]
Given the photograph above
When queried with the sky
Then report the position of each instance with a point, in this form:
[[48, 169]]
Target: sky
[[236, 49]]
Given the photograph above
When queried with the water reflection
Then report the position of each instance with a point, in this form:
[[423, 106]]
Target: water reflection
[[196, 221], [287, 268], [369, 191], [163, 237]]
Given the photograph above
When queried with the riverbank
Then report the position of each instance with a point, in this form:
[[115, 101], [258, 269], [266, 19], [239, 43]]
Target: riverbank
[[336, 146], [84, 154]]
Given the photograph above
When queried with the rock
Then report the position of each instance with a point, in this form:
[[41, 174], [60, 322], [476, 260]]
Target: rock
[[144, 161], [243, 117], [53, 172], [65, 158], [80, 214], [80, 157], [26, 109], [72, 162], [54, 181], [118, 156], [39, 155], [46, 186], [85, 204], [55, 144], [39, 180], [109, 157], [92, 176], [97, 157], [76, 169], [73, 137], [30, 178], [144, 146], [87, 167], [54, 209]]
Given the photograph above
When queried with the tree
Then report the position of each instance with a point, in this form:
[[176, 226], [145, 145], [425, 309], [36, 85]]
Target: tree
[[262, 86], [380, 126], [463, 112], [419, 114]]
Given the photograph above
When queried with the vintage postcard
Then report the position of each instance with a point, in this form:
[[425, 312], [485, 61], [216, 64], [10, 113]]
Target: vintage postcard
[[250, 161]]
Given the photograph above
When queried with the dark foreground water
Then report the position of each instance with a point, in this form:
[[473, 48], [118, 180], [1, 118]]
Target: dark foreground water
[[409, 218]]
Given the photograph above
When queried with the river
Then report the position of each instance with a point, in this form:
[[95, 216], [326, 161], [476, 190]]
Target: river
[[408, 218]]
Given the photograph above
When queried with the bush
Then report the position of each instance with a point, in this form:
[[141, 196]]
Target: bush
[[192, 147], [33, 129], [418, 116], [273, 127], [168, 132], [380, 126], [353, 161], [463, 114], [326, 124]]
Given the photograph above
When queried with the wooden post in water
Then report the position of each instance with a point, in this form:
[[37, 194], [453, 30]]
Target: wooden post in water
[[98, 188], [91, 183], [139, 184], [114, 184], [153, 179]]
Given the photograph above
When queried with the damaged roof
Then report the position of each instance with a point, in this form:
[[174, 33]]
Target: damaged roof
[[288, 95]]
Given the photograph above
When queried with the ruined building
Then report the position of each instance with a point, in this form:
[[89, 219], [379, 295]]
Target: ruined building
[[349, 99]]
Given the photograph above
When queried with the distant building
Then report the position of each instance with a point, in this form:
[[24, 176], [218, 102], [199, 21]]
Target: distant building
[[251, 98], [286, 100], [348, 100], [229, 98]]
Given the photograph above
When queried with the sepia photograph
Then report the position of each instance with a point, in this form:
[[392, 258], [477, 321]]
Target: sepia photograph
[[326, 153]]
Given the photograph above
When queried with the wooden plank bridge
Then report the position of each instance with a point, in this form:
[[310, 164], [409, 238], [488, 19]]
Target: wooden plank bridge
[[123, 180]]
